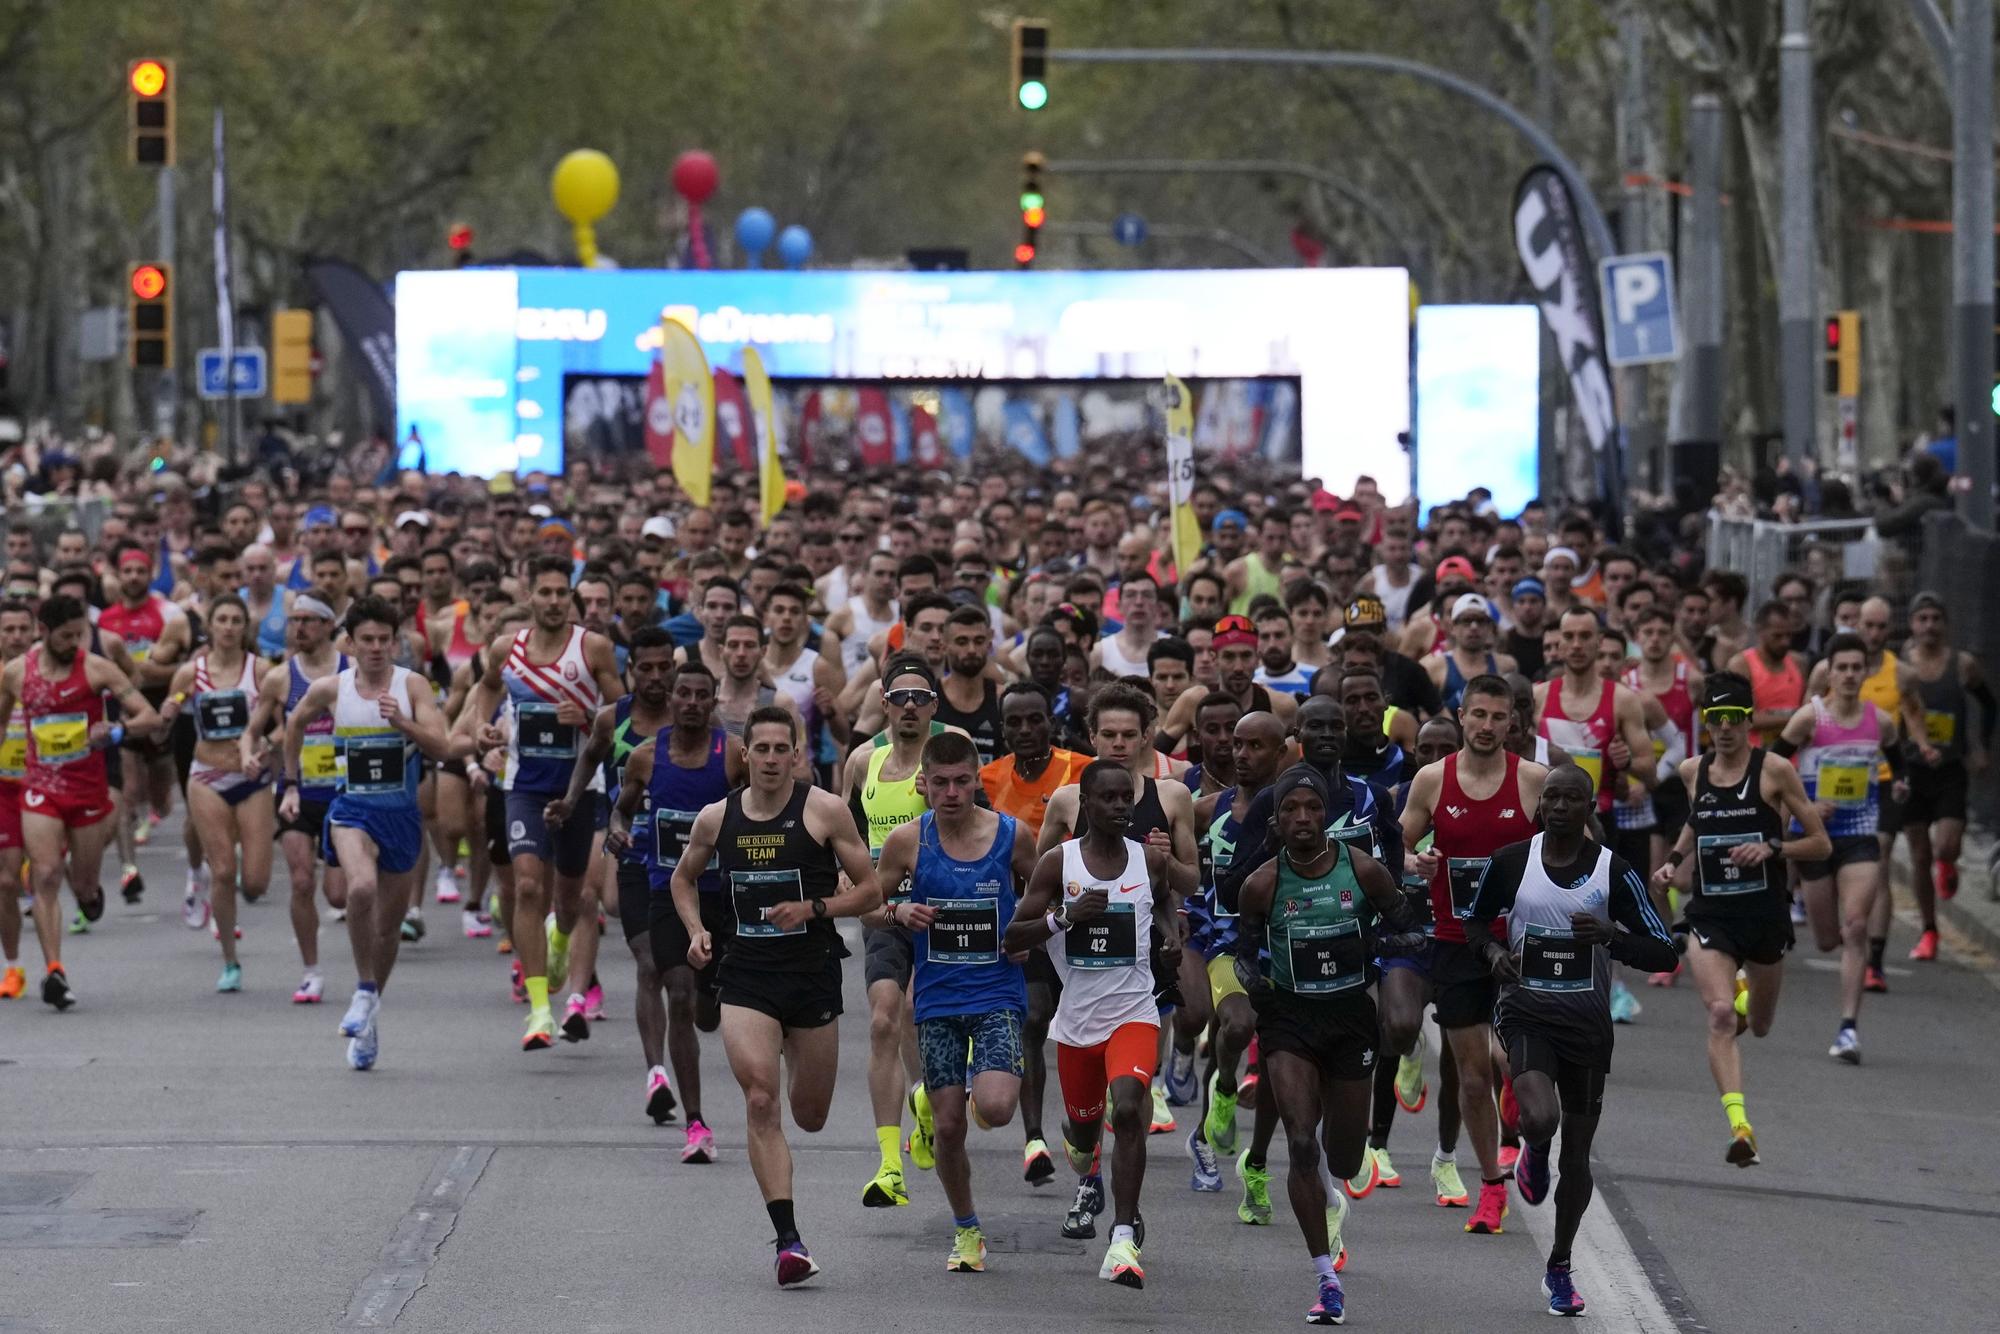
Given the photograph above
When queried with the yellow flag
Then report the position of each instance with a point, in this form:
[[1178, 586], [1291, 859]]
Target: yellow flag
[[764, 431], [1180, 476], [690, 393]]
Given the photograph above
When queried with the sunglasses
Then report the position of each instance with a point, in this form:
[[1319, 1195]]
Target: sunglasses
[[853, 537], [1229, 624], [910, 697], [1726, 713]]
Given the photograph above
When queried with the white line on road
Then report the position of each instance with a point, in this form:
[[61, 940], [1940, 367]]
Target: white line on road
[[1608, 1274]]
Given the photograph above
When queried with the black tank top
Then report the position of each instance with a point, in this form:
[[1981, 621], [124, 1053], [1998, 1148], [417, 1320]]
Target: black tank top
[[981, 723], [1723, 817], [1147, 814], [765, 862], [1945, 714]]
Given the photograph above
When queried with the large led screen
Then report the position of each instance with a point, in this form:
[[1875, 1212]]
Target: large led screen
[[1478, 403]]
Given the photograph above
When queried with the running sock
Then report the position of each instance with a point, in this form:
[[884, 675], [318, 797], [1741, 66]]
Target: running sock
[[538, 992], [1123, 1232], [1255, 1162], [1323, 1266], [1846, 1024], [782, 1221], [891, 1140], [1732, 1106], [970, 1220], [369, 987], [1561, 1262], [1877, 946], [1493, 1181]]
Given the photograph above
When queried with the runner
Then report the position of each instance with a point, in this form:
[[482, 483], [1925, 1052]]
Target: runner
[[1934, 815], [381, 713], [1302, 953], [1740, 918], [1776, 674], [782, 845], [1236, 662], [964, 866], [65, 795], [1844, 737], [157, 636], [1089, 903], [1468, 653], [1600, 724], [310, 624], [17, 636], [1559, 895], [968, 697]]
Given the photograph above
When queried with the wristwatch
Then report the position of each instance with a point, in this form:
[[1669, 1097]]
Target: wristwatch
[[1061, 914], [819, 908]]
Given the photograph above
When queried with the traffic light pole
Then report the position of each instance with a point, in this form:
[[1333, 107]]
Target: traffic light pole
[[1175, 231], [166, 406], [1798, 387], [1972, 253]]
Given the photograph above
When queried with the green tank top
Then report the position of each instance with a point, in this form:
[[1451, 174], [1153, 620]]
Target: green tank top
[[1259, 579], [1318, 939], [888, 804]]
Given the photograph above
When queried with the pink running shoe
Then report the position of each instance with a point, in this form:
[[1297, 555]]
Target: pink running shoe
[[593, 1004], [700, 1146]]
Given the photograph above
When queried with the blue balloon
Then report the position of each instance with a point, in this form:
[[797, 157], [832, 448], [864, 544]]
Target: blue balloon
[[795, 246], [754, 229]]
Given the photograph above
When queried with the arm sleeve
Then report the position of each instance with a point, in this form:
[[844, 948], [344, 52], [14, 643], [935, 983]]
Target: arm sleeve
[[1500, 882], [1388, 831], [1253, 849], [1644, 943]]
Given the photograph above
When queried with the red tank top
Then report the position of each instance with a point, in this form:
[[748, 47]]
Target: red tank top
[[60, 716], [1467, 834], [140, 627], [1675, 699], [460, 650], [1586, 739], [1774, 687]]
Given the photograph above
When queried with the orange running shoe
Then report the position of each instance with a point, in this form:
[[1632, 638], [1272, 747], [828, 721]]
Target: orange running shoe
[[12, 983]]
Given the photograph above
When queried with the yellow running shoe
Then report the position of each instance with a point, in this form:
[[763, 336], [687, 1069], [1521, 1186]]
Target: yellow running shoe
[[968, 1252], [558, 953], [1121, 1265], [541, 1031], [1412, 1090], [1255, 1208], [1220, 1127], [923, 1134], [1163, 1115], [886, 1190], [1336, 1221]]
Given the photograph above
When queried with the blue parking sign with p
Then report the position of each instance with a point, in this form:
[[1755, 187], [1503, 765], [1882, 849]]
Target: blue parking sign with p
[[1638, 296]]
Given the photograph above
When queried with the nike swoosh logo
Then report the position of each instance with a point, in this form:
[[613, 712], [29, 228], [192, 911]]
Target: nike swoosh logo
[[1130, 889], [1743, 793]]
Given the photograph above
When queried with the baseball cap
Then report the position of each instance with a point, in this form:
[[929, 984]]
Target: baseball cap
[[501, 485], [540, 512], [1326, 500], [1926, 601], [417, 517], [1472, 602], [1531, 587], [551, 524], [659, 526], [322, 516], [1348, 513], [1367, 610], [1456, 565], [1236, 518], [1726, 690]]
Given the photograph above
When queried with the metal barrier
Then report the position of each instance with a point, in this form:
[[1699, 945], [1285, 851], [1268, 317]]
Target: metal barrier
[[1826, 550], [46, 518]]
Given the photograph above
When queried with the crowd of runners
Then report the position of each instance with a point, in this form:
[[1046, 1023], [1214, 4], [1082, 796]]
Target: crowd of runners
[[1228, 837]]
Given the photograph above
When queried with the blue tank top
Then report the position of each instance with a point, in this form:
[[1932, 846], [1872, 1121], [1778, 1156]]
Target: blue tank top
[[271, 630], [319, 758], [673, 798], [961, 968], [1454, 680], [624, 740], [1211, 927]]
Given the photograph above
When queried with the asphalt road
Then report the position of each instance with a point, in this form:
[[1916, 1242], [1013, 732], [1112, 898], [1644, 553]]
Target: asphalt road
[[174, 1159]]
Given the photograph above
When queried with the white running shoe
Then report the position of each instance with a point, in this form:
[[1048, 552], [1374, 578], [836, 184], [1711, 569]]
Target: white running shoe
[[311, 991], [447, 886], [360, 1013]]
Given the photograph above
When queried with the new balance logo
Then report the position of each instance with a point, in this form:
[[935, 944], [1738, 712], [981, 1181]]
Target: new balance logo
[[1457, 812], [1507, 814]]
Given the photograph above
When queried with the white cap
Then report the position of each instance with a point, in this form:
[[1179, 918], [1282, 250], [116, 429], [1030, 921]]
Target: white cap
[[540, 512], [659, 526], [1472, 602], [418, 517]]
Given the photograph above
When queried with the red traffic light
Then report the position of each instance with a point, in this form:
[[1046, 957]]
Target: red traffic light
[[1024, 253], [149, 281], [459, 237], [148, 78], [1833, 333]]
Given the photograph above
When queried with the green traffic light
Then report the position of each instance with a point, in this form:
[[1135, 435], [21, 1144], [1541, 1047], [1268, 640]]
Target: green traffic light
[[1034, 94], [1996, 400], [1032, 199]]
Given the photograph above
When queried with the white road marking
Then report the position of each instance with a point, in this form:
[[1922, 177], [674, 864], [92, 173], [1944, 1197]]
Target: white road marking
[[1608, 1274]]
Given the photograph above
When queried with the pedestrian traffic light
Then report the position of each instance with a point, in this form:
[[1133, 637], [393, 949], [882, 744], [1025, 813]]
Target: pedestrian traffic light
[[291, 356], [1843, 353], [458, 238], [149, 119], [1034, 208], [1031, 64], [149, 323]]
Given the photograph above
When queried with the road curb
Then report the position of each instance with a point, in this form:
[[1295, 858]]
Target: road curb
[[1975, 877]]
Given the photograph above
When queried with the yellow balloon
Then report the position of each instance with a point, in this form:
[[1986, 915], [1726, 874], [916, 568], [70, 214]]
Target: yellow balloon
[[585, 185]]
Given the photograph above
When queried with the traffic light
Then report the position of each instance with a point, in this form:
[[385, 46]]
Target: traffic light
[[1995, 398], [149, 324], [1843, 353], [291, 356], [1034, 209], [149, 119], [1031, 64], [458, 237]]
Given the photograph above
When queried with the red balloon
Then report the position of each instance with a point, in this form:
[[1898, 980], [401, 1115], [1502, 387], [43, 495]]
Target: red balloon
[[695, 176]]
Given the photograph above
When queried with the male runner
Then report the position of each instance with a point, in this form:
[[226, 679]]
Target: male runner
[[1302, 953], [1559, 895], [782, 845], [1740, 918], [157, 635], [65, 796], [1934, 815], [1236, 662], [382, 714], [1468, 653], [964, 866], [1091, 904], [17, 636], [1598, 722], [969, 698]]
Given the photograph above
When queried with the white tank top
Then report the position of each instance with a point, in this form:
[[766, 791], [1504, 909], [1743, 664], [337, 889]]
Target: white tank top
[[1105, 964], [854, 649], [1395, 601], [378, 763], [797, 681], [1117, 663]]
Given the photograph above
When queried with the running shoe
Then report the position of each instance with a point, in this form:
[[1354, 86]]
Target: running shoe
[[886, 1190], [1253, 1070], [1873, 980], [1363, 1182], [1080, 1223], [1625, 1006], [1944, 875], [1486, 1219], [1447, 1184], [1220, 1127], [56, 989], [505, 945], [540, 1033], [520, 985], [558, 949], [359, 1011], [215, 931], [1182, 1085], [1531, 1174], [194, 910], [1038, 1168], [575, 1024], [131, 884], [12, 983], [1798, 912], [593, 1001], [79, 925], [312, 990], [1331, 1308], [1336, 1223], [968, 1252], [231, 979], [1121, 1265], [794, 1265], [1207, 1171], [1742, 1005], [1081, 1161], [1846, 1047], [1412, 1089], [447, 886], [476, 925], [1927, 947], [923, 1131], [1386, 1175], [362, 1049], [413, 925], [143, 827], [1509, 1155], [1163, 1115], [700, 1146], [1561, 1288], [1255, 1206], [659, 1096], [1742, 1147]]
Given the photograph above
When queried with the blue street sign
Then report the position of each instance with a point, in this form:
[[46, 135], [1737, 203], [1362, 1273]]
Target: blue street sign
[[247, 372], [1128, 229], [1638, 295]]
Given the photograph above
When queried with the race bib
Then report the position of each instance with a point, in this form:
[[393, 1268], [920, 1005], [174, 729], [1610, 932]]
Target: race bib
[[1328, 958], [60, 738], [752, 892], [1464, 873], [1592, 763], [1110, 941], [221, 715], [1553, 960], [966, 931], [319, 762], [1843, 784], [1941, 728], [670, 835], [1720, 876], [14, 751], [376, 765], [541, 736]]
